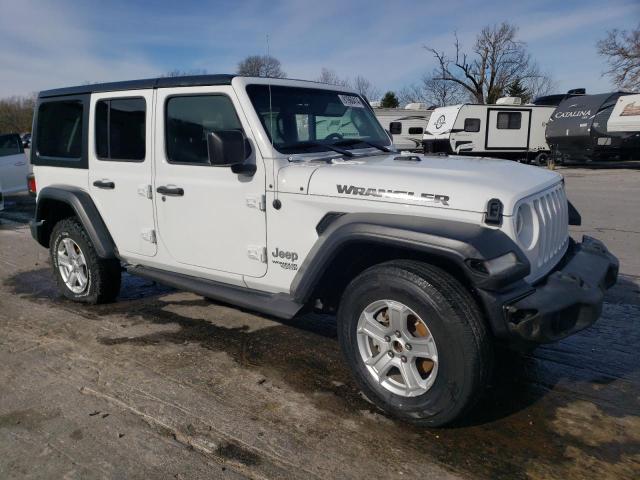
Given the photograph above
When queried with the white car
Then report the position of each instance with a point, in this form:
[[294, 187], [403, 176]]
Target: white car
[[14, 167], [282, 196]]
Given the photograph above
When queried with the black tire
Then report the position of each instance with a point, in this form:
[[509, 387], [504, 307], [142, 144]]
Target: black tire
[[104, 275], [465, 348], [541, 159]]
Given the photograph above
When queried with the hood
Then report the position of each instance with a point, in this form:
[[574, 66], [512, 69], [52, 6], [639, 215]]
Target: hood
[[454, 182]]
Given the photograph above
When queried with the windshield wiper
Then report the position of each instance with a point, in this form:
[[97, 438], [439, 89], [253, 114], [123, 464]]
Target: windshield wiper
[[311, 143], [355, 141]]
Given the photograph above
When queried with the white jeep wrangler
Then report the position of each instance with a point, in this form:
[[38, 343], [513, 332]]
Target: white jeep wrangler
[[281, 196]]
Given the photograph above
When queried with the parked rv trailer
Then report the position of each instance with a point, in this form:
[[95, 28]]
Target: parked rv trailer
[[502, 130], [406, 125], [626, 115], [595, 127]]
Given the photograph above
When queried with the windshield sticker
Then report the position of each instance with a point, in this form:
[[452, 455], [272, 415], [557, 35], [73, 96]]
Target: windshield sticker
[[351, 101]]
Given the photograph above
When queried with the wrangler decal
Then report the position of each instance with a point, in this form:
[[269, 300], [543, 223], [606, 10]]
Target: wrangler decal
[[398, 194]]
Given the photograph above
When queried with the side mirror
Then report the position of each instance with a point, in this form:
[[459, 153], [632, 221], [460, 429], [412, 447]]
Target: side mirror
[[226, 147]]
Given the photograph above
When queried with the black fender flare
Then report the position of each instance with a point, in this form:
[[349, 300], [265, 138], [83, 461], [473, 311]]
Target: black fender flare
[[455, 241], [84, 208]]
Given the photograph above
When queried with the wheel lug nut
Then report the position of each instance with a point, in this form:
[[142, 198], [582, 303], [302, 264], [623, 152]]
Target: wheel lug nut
[[404, 359], [397, 333], [408, 346], [387, 338], [390, 353]]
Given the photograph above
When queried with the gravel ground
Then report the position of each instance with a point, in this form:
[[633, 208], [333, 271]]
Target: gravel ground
[[166, 384]]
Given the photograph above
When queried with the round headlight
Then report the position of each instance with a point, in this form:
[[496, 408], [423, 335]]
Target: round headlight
[[524, 226]]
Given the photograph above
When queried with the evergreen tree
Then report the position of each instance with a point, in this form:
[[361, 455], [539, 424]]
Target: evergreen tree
[[390, 100], [516, 89]]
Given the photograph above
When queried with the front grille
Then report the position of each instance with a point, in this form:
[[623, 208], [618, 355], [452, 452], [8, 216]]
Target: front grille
[[553, 218], [551, 209]]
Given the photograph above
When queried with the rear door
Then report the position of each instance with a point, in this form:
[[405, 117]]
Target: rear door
[[13, 164], [508, 129], [120, 167]]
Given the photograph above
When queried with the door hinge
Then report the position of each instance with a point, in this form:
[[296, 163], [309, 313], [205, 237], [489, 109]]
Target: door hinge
[[257, 252], [145, 191], [257, 201], [149, 235]]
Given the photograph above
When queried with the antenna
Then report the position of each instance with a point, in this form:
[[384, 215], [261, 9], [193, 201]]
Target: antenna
[[271, 133]]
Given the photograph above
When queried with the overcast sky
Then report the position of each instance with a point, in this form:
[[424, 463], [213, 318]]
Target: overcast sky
[[48, 44]]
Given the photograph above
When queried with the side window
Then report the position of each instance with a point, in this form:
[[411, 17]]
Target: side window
[[120, 129], [509, 120], [10, 145], [59, 130], [472, 124], [188, 120], [416, 130], [395, 128]]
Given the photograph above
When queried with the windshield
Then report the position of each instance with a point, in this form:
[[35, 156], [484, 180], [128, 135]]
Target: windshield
[[302, 120]]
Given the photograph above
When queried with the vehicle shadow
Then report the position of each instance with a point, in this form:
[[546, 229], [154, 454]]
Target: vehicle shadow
[[304, 352]]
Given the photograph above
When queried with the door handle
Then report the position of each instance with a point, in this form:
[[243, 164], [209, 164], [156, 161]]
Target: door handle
[[170, 191], [104, 184], [19, 164]]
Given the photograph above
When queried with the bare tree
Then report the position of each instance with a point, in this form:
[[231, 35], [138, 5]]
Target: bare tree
[[434, 91], [331, 77], [360, 84], [16, 114], [365, 88], [622, 51], [539, 86], [261, 66], [497, 59], [184, 73]]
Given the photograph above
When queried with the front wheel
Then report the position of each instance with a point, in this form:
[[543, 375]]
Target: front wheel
[[415, 341]]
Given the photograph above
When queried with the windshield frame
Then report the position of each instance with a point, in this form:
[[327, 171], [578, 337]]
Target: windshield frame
[[310, 147]]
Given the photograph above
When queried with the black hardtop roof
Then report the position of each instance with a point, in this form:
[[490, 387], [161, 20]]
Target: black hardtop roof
[[186, 81]]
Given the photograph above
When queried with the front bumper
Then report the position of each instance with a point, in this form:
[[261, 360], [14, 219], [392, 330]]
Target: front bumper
[[566, 301]]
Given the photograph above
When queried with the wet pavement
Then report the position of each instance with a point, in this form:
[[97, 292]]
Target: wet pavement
[[168, 384]]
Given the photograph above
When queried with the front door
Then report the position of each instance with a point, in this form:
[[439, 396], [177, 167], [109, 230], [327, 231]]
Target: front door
[[120, 166], [208, 216], [508, 129]]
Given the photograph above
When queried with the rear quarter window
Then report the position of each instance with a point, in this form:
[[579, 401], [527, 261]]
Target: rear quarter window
[[60, 132], [60, 129]]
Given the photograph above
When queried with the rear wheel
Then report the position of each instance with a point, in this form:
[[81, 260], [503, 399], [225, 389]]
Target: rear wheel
[[81, 275], [415, 341]]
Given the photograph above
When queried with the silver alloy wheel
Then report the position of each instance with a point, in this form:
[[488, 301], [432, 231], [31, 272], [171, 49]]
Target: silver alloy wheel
[[397, 348], [72, 266]]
